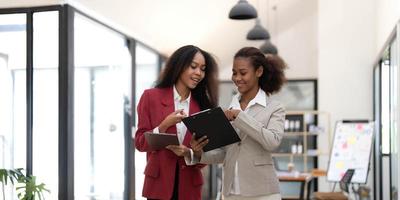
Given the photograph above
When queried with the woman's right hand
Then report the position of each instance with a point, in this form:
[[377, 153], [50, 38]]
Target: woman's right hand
[[172, 119], [231, 114], [197, 145]]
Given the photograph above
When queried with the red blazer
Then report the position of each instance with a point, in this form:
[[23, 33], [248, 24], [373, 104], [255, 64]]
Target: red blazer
[[154, 105]]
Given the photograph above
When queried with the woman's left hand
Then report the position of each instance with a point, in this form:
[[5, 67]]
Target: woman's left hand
[[179, 150]]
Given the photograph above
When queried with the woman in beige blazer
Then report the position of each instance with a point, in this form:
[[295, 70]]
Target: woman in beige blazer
[[248, 171]]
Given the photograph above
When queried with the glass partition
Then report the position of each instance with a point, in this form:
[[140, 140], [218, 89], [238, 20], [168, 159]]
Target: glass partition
[[394, 119], [377, 127], [385, 91], [147, 70], [387, 114], [12, 93], [90, 111], [45, 100], [102, 87]]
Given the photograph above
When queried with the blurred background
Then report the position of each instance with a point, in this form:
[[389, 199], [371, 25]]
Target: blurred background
[[72, 71]]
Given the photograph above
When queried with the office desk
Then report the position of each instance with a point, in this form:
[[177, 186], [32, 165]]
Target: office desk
[[303, 178]]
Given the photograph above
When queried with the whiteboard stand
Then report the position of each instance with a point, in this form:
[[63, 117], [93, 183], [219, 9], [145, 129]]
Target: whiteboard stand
[[351, 149]]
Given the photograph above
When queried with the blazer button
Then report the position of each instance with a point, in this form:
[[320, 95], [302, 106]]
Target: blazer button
[[239, 143]]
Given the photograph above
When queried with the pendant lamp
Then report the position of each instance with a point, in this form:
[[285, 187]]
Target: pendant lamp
[[243, 10], [268, 48], [258, 32]]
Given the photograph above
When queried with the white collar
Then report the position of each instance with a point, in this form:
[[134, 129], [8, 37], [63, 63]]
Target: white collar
[[178, 97], [260, 98]]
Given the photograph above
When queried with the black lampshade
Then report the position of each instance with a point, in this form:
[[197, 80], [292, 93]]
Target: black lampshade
[[268, 48], [243, 10], [258, 32]]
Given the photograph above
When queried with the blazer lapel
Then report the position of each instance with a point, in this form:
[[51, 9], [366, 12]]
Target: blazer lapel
[[167, 100], [253, 111]]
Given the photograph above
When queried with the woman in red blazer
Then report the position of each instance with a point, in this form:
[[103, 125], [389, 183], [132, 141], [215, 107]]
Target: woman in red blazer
[[187, 85]]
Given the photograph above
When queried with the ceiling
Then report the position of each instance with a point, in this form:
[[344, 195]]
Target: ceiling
[[165, 25]]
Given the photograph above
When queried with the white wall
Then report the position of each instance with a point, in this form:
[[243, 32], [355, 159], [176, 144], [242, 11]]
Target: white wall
[[295, 24], [388, 14], [347, 43]]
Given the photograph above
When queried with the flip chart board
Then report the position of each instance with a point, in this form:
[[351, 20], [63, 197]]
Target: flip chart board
[[351, 149]]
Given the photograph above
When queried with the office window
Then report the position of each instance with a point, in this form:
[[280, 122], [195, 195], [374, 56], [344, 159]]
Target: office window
[[385, 89], [377, 142], [12, 93], [394, 118], [102, 90], [387, 114], [45, 100], [91, 111], [147, 70]]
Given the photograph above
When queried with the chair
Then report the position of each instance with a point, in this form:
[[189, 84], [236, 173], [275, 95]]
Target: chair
[[344, 186]]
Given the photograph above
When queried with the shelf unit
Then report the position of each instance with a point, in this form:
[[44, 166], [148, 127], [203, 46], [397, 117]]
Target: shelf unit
[[309, 130]]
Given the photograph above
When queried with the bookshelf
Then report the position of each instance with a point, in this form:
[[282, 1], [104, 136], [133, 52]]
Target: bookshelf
[[299, 145]]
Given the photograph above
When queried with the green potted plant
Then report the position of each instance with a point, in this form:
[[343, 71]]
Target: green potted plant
[[26, 186]]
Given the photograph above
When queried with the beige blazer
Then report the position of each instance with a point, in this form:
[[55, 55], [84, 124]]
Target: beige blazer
[[261, 131]]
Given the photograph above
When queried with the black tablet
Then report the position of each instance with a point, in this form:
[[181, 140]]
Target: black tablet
[[215, 125]]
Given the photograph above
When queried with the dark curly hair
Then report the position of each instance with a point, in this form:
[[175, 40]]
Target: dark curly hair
[[273, 77]]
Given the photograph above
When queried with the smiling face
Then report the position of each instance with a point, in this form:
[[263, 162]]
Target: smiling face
[[194, 73], [245, 76]]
